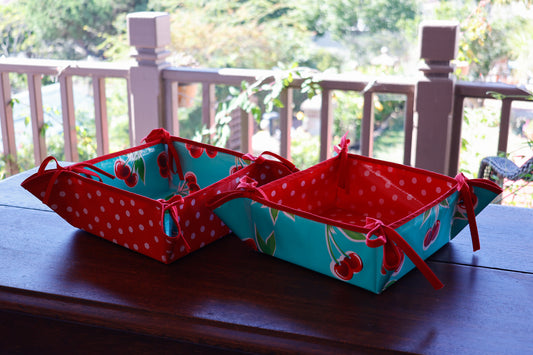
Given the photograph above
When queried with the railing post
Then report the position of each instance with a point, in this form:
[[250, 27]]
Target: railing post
[[149, 33], [434, 95], [8, 127]]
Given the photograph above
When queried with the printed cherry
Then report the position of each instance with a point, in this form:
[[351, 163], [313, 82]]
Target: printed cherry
[[354, 261], [132, 180], [343, 270], [122, 170], [193, 187], [164, 172], [194, 150], [250, 243], [211, 153], [162, 160], [431, 235]]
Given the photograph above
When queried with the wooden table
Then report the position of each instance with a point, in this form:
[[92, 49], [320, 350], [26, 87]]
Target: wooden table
[[63, 290]]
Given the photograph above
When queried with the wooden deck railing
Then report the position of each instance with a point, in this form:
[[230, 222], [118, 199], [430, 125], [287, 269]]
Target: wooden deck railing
[[433, 106]]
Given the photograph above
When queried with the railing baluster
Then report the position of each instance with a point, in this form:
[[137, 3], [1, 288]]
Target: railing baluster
[[408, 128], [326, 125], [208, 104], [504, 125], [455, 134], [37, 117], [69, 119], [171, 107], [367, 124], [8, 129], [247, 130], [285, 122], [100, 116]]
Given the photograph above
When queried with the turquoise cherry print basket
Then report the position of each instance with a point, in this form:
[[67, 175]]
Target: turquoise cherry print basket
[[360, 220], [149, 198]]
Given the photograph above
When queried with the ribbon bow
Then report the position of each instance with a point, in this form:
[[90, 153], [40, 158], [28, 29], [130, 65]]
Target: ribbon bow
[[466, 195], [261, 159], [393, 245], [342, 151], [163, 136], [80, 168], [172, 207]]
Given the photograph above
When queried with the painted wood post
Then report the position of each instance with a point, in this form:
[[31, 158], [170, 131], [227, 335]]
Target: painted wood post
[[149, 33], [434, 95]]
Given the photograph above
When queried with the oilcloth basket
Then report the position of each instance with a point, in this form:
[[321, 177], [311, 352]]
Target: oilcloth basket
[[360, 220], [149, 198]]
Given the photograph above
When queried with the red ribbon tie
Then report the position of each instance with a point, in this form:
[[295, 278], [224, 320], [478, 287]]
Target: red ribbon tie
[[172, 207], [163, 136], [466, 195]]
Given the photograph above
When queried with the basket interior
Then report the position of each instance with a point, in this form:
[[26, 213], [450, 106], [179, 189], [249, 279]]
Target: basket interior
[[385, 191]]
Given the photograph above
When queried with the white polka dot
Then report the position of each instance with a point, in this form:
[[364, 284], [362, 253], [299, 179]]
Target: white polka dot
[[187, 223], [98, 193], [127, 213], [62, 193], [202, 229], [102, 208], [146, 246], [211, 217], [273, 193], [43, 194], [141, 212], [156, 239], [197, 215], [394, 197], [102, 234], [387, 185], [115, 241], [89, 196], [117, 217], [202, 244], [120, 231], [389, 169], [126, 245], [109, 225], [378, 173], [293, 193], [69, 209], [414, 180], [69, 182], [381, 201], [130, 228], [309, 207], [135, 246], [373, 188], [193, 235], [428, 179], [423, 192], [313, 181], [122, 203], [401, 182], [366, 173], [213, 233], [322, 176], [360, 192], [77, 196], [96, 219], [164, 258], [302, 184], [141, 227], [193, 202], [132, 202], [262, 176], [77, 214], [438, 189], [182, 248], [90, 226], [150, 223], [303, 195], [284, 186]]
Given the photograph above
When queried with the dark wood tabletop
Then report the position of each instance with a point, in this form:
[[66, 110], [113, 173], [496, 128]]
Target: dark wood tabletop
[[63, 290]]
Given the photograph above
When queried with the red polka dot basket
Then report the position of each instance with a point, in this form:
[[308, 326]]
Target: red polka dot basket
[[151, 198], [360, 220]]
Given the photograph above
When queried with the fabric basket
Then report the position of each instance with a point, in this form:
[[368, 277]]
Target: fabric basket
[[357, 219], [150, 198]]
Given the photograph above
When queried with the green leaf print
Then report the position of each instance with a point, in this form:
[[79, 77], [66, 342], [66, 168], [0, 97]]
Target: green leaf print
[[138, 165], [352, 235], [289, 215], [274, 215], [268, 247], [427, 213]]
